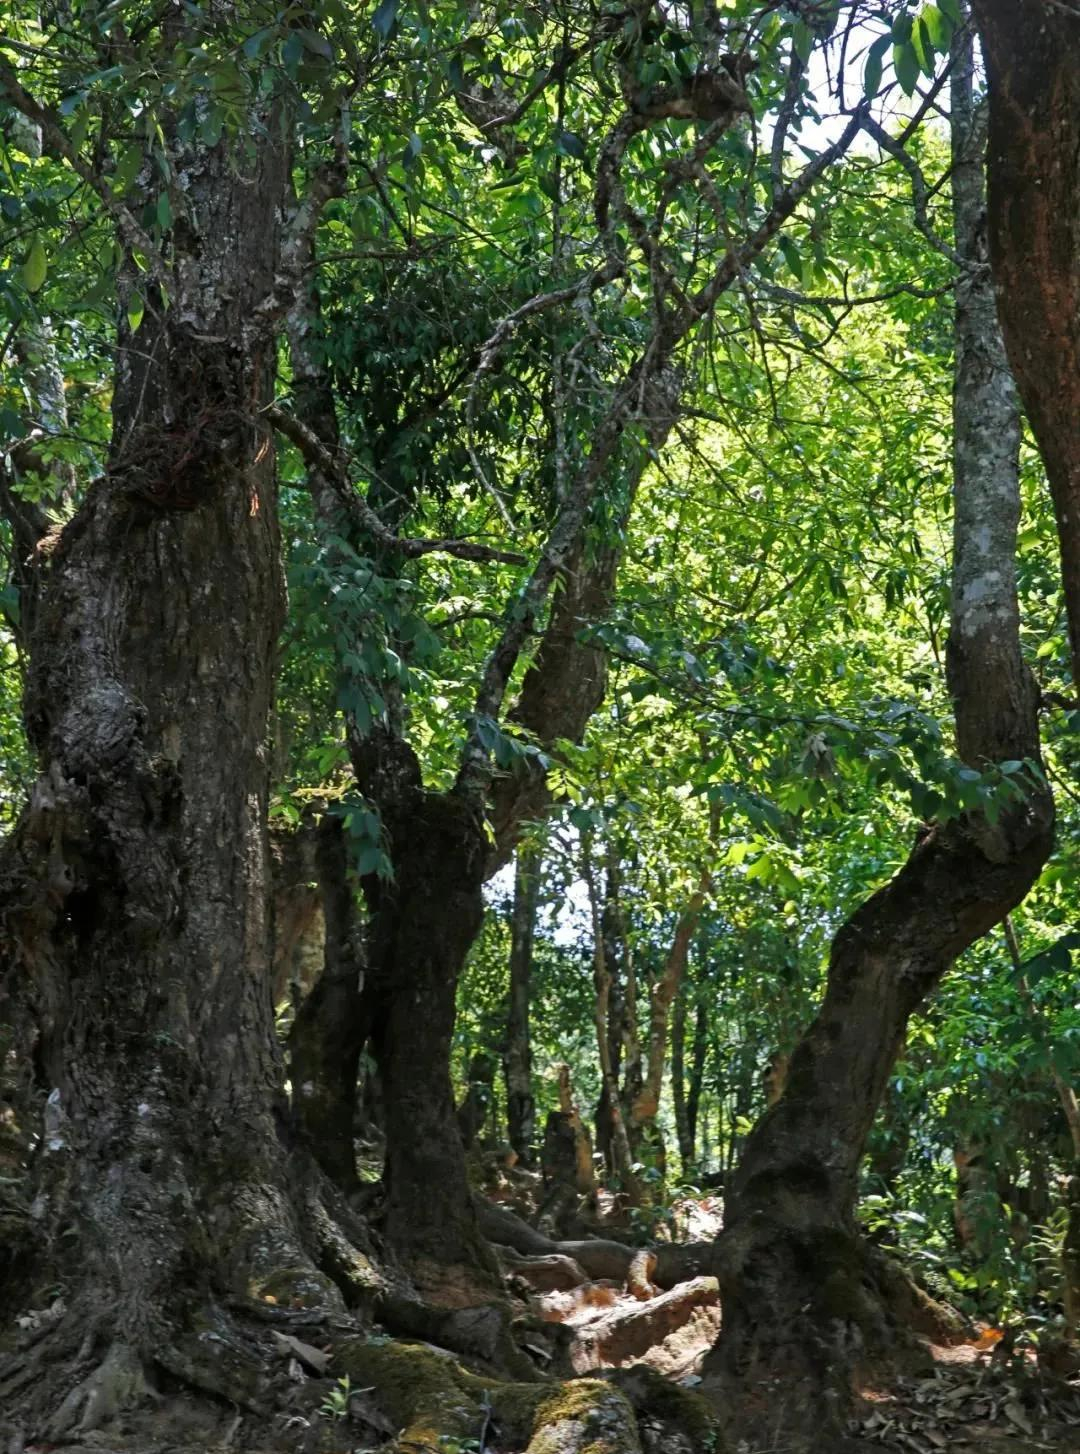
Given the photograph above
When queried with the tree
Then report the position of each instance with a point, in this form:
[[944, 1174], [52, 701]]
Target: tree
[[794, 1276], [425, 908], [1035, 249], [135, 882]]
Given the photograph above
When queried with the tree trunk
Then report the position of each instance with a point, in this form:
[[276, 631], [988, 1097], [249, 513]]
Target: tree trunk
[[1030, 48], [609, 1118], [665, 989], [697, 1072], [423, 924], [330, 1028], [520, 1103], [678, 1083], [799, 1294], [134, 890]]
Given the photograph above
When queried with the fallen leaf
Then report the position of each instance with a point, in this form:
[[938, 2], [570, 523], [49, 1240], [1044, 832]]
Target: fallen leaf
[[1014, 1412]]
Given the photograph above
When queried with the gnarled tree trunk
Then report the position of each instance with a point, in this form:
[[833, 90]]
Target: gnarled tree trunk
[[330, 1027], [799, 1297], [134, 890], [423, 924]]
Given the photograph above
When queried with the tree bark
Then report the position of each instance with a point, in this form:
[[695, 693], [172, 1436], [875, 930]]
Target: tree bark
[[1030, 48], [330, 1028], [610, 1120], [424, 921], [520, 1103], [799, 1293], [134, 889]]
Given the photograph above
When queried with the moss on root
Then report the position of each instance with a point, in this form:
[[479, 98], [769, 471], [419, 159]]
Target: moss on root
[[678, 1409], [430, 1397], [295, 1287]]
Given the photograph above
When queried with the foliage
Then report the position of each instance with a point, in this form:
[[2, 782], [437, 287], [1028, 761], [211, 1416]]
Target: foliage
[[777, 710]]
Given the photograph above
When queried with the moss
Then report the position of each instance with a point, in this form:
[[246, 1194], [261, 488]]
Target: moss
[[680, 1410], [602, 1413], [294, 1287], [428, 1397]]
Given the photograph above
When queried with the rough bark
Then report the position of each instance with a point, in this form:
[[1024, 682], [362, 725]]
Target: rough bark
[[799, 1297], [520, 1102], [134, 890], [298, 927], [1030, 49], [330, 1027]]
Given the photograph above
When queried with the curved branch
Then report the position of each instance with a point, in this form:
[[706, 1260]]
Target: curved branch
[[361, 513]]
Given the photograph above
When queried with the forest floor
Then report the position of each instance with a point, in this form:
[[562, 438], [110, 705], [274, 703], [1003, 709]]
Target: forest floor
[[632, 1339]]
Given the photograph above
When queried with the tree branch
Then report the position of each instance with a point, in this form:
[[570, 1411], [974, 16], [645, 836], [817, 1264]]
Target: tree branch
[[360, 512]]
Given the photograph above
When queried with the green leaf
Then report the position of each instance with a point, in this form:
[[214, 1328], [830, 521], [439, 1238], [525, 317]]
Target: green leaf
[[164, 212], [127, 168], [254, 44], [802, 40], [317, 44], [385, 18], [368, 859], [908, 70], [939, 27], [135, 310], [36, 265], [924, 47], [875, 57], [791, 255], [212, 125]]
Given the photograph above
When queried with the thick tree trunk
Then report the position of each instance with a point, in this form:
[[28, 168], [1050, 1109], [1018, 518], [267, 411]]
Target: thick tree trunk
[[1030, 48], [520, 1103], [134, 890], [801, 1300]]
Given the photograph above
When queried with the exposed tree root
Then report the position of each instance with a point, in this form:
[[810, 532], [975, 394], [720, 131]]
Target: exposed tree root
[[115, 1386], [600, 1258], [548, 1272], [190, 1305], [629, 1332]]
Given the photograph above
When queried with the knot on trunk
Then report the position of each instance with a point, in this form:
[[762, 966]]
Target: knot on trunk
[[193, 425]]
